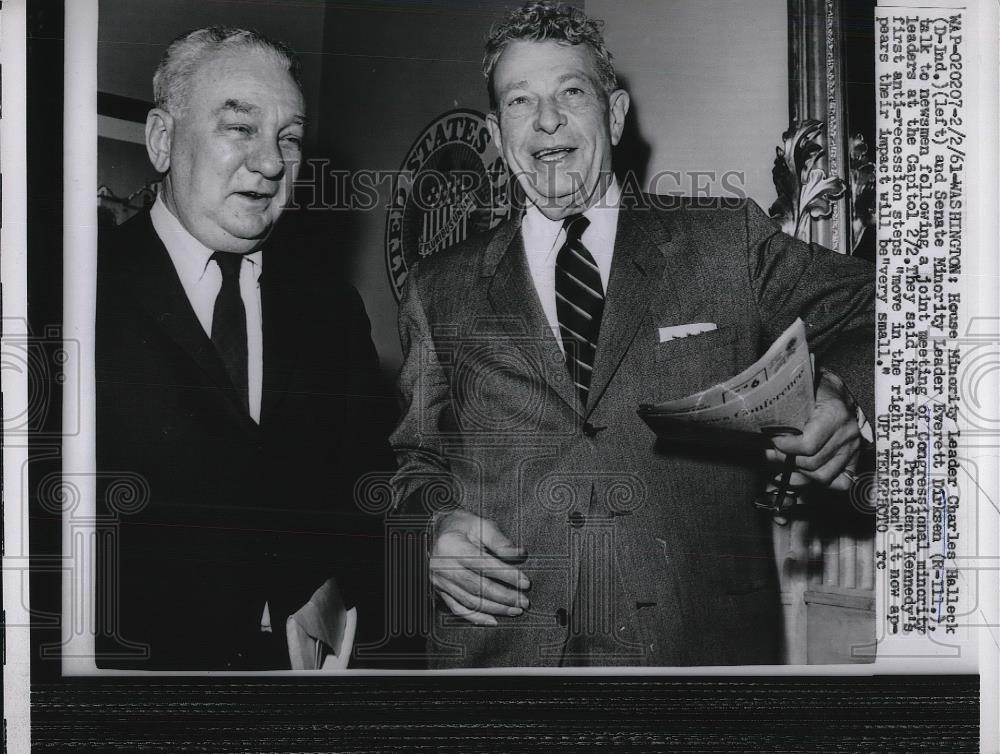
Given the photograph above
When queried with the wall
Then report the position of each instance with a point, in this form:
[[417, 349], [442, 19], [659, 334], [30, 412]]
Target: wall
[[390, 69], [708, 81]]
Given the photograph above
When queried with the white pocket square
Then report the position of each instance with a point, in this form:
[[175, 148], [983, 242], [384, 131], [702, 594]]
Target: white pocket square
[[683, 331]]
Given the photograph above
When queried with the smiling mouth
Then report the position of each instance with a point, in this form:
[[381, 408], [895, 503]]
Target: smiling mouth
[[255, 195], [553, 154]]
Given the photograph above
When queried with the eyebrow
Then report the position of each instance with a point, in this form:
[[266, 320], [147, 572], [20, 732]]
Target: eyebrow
[[523, 83], [248, 108], [239, 106]]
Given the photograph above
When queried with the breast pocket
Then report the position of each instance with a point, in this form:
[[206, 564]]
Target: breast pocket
[[687, 365]]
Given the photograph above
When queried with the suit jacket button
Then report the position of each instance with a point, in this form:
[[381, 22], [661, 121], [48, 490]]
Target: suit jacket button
[[590, 430], [561, 616], [577, 519]]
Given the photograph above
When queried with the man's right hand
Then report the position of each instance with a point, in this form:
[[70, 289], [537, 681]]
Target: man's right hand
[[469, 572]]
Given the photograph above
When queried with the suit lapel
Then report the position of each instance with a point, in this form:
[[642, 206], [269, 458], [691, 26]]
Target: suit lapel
[[513, 295], [157, 290], [642, 250]]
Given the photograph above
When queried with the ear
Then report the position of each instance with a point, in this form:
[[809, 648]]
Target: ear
[[159, 137], [618, 102], [493, 126]]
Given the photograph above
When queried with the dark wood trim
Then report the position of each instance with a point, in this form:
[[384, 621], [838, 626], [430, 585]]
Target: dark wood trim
[[123, 108]]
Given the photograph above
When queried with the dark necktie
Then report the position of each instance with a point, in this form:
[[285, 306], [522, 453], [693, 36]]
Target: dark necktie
[[579, 303], [229, 324]]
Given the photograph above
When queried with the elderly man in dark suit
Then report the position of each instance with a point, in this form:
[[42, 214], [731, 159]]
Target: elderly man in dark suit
[[568, 535], [232, 377]]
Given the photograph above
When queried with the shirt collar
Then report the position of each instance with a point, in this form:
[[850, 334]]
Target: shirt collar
[[603, 216], [190, 256]]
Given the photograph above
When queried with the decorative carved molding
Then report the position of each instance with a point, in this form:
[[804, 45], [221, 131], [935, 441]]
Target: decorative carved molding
[[818, 93], [805, 191], [862, 191], [836, 118]]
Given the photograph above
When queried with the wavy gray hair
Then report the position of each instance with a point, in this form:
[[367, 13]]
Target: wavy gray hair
[[183, 56], [540, 20]]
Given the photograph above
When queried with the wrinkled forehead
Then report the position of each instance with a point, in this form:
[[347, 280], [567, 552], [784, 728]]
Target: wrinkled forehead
[[246, 78], [526, 60]]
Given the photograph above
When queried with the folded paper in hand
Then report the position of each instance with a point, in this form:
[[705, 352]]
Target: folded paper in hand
[[774, 393]]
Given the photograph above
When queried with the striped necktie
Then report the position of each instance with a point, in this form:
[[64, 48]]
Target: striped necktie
[[579, 303], [229, 324]]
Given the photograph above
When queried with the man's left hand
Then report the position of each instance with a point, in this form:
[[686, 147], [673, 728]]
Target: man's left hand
[[827, 450]]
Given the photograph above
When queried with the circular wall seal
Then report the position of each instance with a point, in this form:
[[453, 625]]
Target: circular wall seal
[[451, 185]]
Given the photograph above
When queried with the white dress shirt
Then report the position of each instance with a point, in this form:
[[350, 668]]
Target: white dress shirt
[[201, 279], [543, 238]]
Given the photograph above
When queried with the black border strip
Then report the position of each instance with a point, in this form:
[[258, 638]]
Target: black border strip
[[461, 714]]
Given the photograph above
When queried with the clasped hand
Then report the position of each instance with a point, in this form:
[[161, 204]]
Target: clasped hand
[[472, 568]]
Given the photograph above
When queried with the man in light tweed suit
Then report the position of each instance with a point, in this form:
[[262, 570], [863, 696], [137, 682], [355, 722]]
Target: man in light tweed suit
[[566, 533]]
